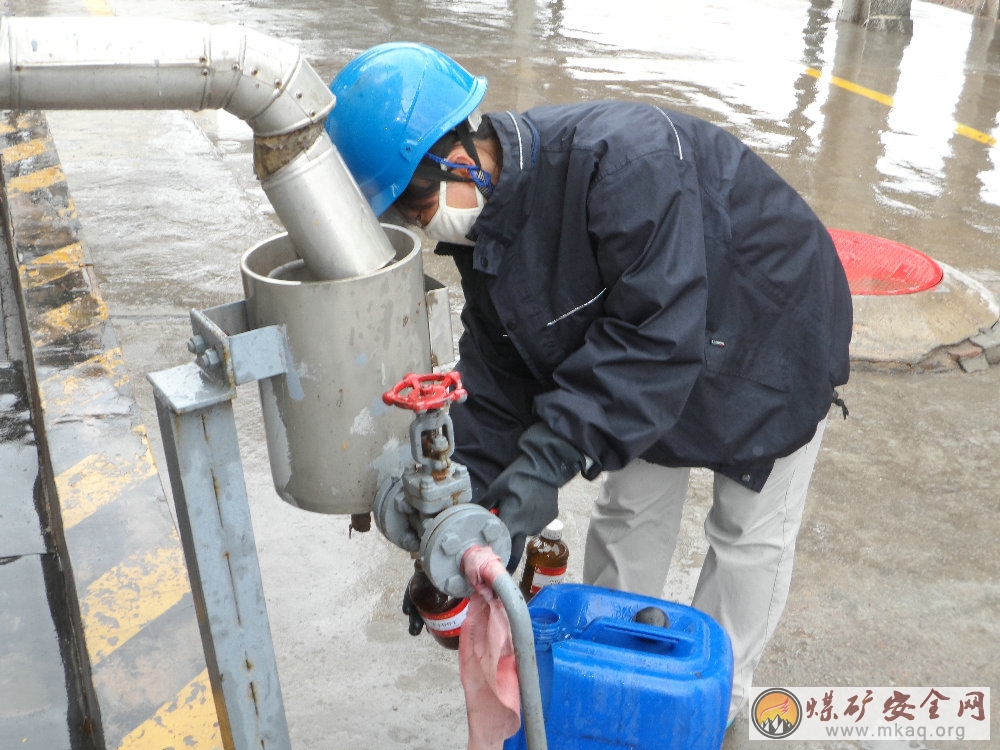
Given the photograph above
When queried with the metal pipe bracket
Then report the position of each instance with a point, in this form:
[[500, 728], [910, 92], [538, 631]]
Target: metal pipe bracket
[[229, 351]]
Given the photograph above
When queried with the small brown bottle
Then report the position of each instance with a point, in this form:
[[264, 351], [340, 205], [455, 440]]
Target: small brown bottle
[[443, 615], [545, 560]]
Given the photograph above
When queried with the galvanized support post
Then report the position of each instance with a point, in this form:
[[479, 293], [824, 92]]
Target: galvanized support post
[[988, 9], [850, 11], [213, 514], [878, 15]]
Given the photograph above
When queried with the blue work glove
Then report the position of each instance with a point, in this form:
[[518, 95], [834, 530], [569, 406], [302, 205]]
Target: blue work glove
[[526, 493]]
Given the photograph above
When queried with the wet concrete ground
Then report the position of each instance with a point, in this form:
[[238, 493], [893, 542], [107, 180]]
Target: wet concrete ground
[[33, 688], [896, 581]]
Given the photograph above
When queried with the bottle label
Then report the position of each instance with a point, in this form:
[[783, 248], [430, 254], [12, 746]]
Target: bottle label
[[546, 576], [447, 624]]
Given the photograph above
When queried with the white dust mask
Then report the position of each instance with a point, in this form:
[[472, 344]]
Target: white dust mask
[[450, 224]]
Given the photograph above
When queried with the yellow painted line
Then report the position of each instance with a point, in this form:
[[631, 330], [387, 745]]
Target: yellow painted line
[[963, 130], [71, 254], [43, 178], [127, 598], [97, 481], [22, 151], [81, 314], [79, 378], [189, 720], [852, 87], [974, 134], [52, 266], [98, 7]]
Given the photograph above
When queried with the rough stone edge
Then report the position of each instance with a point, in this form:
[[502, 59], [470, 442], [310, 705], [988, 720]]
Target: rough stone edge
[[977, 353]]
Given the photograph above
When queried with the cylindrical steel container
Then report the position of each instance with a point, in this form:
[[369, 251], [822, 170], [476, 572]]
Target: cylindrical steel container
[[330, 438]]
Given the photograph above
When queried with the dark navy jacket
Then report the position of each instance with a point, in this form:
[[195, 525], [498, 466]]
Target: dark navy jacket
[[647, 286]]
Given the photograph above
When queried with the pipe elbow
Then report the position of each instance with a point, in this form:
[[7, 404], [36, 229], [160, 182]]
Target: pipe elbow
[[274, 89], [142, 63]]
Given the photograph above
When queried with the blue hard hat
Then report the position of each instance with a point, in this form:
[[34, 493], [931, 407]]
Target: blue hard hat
[[394, 102]]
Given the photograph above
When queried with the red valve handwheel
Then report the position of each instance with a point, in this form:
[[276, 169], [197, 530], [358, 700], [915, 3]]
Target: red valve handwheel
[[426, 392]]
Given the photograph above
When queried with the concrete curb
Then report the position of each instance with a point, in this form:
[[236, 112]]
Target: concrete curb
[[128, 592]]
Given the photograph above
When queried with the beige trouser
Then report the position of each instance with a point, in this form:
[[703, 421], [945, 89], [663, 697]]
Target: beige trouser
[[745, 578]]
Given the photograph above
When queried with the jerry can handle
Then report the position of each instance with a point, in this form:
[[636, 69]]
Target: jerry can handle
[[637, 636]]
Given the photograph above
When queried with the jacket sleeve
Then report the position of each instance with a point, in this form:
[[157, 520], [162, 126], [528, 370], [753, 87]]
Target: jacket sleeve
[[501, 389], [629, 381]]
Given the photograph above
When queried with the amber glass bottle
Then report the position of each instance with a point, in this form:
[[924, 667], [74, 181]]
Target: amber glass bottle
[[545, 560], [443, 615]]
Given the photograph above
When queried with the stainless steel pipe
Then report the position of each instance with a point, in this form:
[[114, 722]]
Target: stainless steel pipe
[[132, 63]]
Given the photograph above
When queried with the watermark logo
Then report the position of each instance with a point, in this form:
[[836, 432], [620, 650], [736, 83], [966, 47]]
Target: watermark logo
[[870, 713], [776, 713]]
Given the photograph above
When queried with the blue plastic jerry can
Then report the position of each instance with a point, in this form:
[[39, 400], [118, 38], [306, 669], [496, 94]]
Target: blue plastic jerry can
[[608, 681]]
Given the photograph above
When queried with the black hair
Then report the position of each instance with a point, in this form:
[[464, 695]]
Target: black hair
[[426, 180]]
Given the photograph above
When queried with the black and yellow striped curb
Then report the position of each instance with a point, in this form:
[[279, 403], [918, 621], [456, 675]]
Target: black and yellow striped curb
[[110, 519]]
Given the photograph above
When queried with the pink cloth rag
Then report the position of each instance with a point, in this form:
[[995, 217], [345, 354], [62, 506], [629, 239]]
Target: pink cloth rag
[[486, 656]]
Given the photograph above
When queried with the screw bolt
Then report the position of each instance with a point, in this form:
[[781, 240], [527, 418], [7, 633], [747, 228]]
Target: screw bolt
[[451, 544], [492, 532], [209, 359], [196, 344]]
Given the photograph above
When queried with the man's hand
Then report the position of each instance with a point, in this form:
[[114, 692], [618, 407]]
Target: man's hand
[[526, 493]]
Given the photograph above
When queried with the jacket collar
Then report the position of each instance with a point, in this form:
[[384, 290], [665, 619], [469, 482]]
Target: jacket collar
[[508, 207]]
